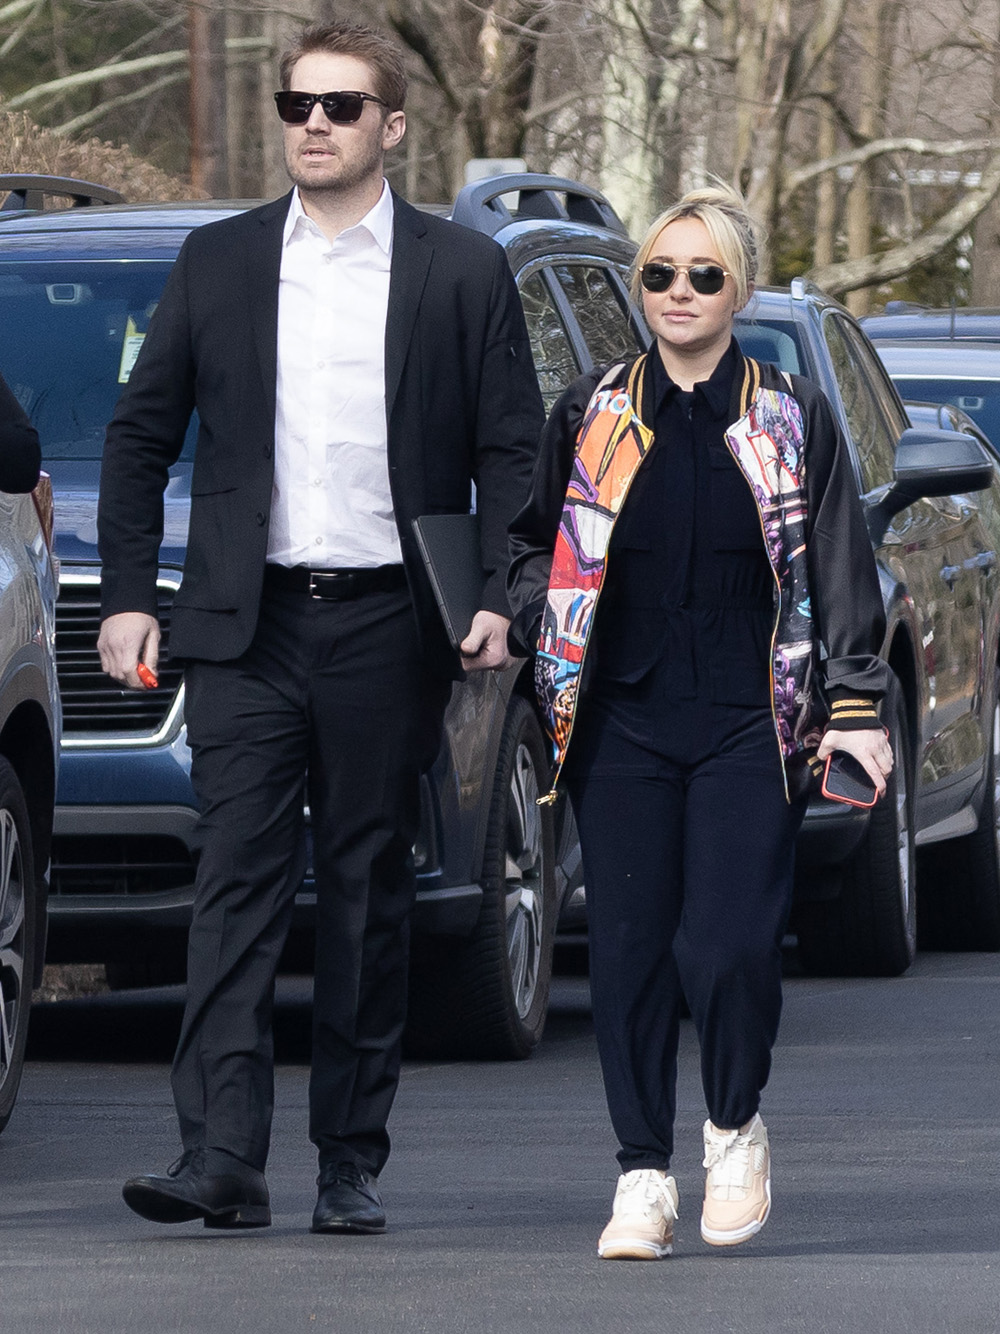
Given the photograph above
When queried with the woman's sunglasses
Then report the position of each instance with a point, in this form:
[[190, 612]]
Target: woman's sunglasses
[[706, 279], [340, 108]]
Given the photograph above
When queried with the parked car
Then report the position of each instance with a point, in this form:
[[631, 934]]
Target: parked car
[[943, 356], [496, 871], [932, 514], [29, 749]]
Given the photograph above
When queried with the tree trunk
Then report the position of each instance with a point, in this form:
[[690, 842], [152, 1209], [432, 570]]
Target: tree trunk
[[985, 288], [642, 90], [208, 105], [824, 247]]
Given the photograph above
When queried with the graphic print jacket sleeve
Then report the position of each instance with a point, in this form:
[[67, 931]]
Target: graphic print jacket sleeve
[[532, 534], [843, 577]]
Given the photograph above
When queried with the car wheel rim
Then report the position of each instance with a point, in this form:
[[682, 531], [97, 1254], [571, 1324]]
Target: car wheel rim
[[524, 898], [12, 962]]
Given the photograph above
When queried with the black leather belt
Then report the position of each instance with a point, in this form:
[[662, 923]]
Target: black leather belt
[[336, 585]]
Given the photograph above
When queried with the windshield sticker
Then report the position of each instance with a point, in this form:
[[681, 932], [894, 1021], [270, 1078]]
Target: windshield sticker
[[130, 350]]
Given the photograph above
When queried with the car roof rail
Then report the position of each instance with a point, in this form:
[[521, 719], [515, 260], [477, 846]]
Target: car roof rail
[[30, 192], [483, 205]]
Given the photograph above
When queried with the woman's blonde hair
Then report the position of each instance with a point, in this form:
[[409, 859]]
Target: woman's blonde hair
[[734, 233]]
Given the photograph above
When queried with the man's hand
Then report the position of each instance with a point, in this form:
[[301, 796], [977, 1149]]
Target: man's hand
[[869, 746], [125, 640], [485, 646]]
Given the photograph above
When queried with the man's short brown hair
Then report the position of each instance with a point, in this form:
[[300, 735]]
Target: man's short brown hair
[[379, 52]]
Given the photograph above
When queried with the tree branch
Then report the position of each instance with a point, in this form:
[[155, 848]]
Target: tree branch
[[97, 113], [853, 157], [851, 274], [421, 45], [84, 78]]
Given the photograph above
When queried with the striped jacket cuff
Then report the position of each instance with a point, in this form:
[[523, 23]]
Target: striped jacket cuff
[[851, 712]]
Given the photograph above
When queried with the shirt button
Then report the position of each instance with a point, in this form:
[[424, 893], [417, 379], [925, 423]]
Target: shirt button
[[317, 481], [319, 541]]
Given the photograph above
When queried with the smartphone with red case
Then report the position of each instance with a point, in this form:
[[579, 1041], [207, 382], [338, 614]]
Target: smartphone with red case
[[846, 779]]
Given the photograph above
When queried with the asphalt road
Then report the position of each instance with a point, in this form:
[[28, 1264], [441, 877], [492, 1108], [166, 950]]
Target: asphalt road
[[882, 1112]]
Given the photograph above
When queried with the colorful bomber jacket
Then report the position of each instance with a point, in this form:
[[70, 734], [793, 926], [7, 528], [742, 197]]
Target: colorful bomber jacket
[[786, 444]]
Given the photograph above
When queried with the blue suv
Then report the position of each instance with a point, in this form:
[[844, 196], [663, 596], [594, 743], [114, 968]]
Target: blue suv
[[496, 872]]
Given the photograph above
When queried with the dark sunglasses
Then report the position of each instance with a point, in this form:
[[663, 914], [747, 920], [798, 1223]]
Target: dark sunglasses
[[706, 279], [340, 108]]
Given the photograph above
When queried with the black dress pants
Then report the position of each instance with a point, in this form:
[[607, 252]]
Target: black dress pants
[[329, 704], [687, 844]]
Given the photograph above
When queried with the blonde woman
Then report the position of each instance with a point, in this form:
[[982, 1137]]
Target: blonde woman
[[693, 536]]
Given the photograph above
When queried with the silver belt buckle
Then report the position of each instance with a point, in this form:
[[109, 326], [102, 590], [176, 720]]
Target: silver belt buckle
[[315, 586]]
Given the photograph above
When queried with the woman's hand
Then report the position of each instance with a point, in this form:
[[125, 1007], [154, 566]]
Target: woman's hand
[[869, 746]]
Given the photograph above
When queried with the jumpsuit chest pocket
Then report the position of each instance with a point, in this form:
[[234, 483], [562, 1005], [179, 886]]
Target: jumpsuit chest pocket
[[735, 519]]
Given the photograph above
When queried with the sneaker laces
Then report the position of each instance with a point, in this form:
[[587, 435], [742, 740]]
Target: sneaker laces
[[727, 1156], [649, 1186]]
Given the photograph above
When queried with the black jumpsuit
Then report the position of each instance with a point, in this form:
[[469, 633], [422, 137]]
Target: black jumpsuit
[[676, 782]]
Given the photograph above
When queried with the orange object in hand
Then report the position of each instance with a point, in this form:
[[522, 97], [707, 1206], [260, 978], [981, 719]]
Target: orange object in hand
[[147, 677]]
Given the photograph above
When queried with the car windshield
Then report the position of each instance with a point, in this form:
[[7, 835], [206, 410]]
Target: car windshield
[[979, 398], [68, 340]]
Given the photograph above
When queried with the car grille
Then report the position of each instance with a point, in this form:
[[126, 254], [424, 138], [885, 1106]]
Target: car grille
[[119, 866], [92, 702]]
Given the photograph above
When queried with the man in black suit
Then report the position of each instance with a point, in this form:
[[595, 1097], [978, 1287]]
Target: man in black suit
[[354, 364]]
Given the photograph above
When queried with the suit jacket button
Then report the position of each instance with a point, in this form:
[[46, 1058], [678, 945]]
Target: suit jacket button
[[261, 517]]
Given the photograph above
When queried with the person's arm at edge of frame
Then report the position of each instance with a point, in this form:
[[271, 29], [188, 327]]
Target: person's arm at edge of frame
[[509, 419], [20, 452], [533, 531], [846, 598], [144, 438]]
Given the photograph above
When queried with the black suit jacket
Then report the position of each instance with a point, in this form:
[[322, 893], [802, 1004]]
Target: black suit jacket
[[20, 454], [462, 405]]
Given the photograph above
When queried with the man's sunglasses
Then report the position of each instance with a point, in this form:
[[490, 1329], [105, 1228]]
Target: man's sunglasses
[[706, 279], [340, 108]]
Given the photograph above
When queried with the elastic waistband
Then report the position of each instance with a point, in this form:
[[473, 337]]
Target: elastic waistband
[[340, 585]]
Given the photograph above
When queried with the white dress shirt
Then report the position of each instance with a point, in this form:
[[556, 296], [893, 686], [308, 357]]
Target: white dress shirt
[[331, 504]]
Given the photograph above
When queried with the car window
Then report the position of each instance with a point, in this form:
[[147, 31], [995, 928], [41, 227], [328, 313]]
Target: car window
[[68, 340], [602, 319], [979, 398], [874, 441], [878, 378], [775, 341], [555, 364]]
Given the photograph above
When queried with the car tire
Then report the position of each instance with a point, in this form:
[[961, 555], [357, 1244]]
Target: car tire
[[18, 925], [960, 879], [870, 928], [486, 996]]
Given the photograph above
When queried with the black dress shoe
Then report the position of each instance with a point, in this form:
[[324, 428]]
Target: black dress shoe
[[348, 1201], [203, 1183]]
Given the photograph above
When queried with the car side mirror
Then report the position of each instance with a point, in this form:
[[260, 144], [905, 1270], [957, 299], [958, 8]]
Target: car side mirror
[[930, 463]]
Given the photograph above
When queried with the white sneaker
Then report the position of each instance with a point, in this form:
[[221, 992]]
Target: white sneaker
[[642, 1218], [738, 1185]]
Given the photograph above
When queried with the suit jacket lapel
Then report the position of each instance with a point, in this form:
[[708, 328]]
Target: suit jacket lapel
[[263, 269], [411, 260]]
